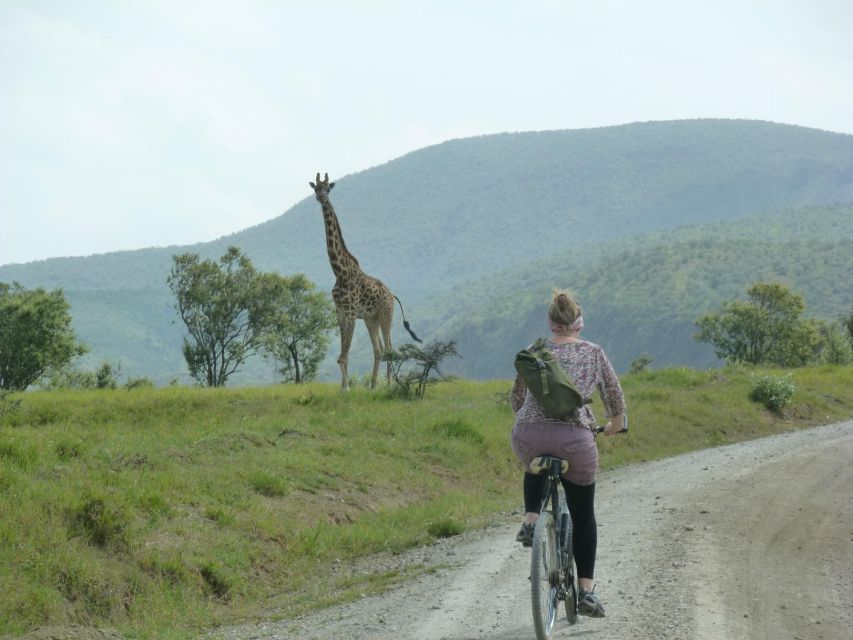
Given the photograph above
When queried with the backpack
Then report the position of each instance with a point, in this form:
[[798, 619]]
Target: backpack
[[548, 382]]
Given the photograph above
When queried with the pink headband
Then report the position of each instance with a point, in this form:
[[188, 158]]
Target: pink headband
[[577, 325]]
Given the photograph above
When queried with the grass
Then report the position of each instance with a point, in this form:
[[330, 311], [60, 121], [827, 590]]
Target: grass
[[165, 512]]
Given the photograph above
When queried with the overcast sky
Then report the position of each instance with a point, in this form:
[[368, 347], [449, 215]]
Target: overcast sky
[[130, 124]]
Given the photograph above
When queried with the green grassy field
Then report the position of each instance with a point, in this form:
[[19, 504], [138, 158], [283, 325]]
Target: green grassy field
[[164, 512]]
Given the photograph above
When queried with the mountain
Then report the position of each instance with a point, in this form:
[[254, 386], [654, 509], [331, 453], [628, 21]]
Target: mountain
[[438, 218]]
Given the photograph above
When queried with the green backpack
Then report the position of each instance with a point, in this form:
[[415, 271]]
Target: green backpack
[[548, 382]]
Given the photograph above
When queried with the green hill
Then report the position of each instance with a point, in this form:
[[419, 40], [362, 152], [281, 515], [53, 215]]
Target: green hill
[[440, 217], [644, 296]]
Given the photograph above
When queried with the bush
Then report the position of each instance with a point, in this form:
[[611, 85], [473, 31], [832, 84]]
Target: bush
[[640, 363], [836, 348], [425, 367], [139, 383], [67, 378], [105, 376], [774, 392]]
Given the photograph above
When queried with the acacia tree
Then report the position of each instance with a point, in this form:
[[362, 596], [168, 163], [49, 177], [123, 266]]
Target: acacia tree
[[226, 307], [35, 335], [425, 361], [299, 334], [766, 329]]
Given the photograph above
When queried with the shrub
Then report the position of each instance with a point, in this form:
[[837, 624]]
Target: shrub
[[640, 363], [105, 376], [139, 383], [774, 392], [425, 361], [836, 348], [68, 378]]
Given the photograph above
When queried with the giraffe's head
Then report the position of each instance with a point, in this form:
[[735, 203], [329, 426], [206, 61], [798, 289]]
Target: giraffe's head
[[322, 187]]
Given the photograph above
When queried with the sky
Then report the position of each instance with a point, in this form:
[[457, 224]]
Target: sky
[[127, 124]]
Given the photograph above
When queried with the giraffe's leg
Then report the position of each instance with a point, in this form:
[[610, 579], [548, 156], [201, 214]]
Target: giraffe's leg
[[347, 325], [386, 348], [373, 330]]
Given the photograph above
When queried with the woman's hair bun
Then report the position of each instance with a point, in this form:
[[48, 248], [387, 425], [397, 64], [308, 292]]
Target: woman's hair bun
[[564, 308]]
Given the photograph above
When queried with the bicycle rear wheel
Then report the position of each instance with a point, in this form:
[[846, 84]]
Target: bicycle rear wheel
[[571, 594], [570, 581], [544, 576]]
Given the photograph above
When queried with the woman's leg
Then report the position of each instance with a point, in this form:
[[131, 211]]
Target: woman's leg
[[534, 488], [580, 500]]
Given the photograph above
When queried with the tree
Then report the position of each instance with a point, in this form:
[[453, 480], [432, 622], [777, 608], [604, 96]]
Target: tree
[[640, 363], [848, 326], [835, 346], [226, 307], [766, 329], [299, 334], [69, 378], [426, 360], [35, 335]]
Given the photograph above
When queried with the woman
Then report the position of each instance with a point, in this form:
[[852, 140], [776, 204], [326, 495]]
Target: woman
[[535, 434]]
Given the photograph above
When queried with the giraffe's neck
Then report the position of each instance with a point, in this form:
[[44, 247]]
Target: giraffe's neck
[[342, 261]]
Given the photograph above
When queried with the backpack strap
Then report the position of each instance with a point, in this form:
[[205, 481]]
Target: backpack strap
[[540, 364]]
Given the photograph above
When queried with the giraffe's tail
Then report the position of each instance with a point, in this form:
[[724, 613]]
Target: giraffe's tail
[[406, 322]]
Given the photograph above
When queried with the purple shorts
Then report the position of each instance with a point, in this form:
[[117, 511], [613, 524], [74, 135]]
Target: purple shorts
[[569, 442]]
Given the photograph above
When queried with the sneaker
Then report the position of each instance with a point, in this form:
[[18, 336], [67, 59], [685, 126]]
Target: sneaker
[[525, 535], [589, 604]]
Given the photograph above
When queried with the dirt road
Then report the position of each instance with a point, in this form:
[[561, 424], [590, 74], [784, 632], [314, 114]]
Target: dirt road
[[753, 540]]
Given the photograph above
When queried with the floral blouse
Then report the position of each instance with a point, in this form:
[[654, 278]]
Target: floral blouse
[[588, 367]]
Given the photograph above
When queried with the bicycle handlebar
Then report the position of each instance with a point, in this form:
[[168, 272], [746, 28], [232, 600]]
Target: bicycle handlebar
[[600, 428]]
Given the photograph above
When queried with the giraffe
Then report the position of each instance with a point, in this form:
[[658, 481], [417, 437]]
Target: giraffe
[[356, 294]]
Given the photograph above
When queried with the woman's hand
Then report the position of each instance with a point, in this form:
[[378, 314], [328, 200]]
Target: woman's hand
[[615, 425]]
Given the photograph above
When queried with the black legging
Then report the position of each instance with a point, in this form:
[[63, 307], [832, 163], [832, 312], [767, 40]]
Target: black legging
[[580, 499]]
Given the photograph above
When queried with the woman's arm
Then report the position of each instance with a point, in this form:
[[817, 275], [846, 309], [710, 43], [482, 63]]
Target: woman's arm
[[611, 394]]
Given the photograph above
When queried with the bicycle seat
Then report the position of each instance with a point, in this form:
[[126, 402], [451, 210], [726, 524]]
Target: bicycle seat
[[542, 464]]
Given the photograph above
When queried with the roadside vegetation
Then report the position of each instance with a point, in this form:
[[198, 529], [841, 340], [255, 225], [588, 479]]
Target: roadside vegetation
[[165, 512]]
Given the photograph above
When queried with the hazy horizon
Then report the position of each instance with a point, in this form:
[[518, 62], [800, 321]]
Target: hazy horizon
[[130, 125]]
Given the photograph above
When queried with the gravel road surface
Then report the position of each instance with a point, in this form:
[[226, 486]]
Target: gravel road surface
[[753, 540]]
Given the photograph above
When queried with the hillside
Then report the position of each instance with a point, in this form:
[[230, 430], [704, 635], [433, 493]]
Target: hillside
[[440, 217], [644, 296]]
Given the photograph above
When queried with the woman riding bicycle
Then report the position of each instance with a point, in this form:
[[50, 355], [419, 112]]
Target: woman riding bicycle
[[536, 434]]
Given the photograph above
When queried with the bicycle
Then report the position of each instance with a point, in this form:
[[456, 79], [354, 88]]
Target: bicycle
[[552, 566]]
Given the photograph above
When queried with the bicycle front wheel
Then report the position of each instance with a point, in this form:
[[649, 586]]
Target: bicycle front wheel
[[544, 576]]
